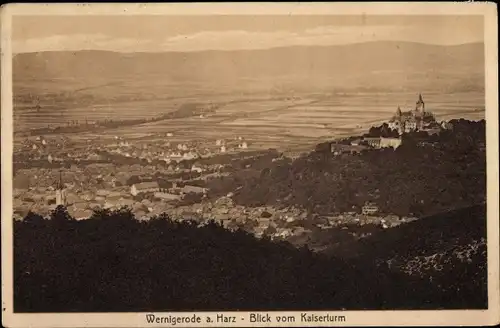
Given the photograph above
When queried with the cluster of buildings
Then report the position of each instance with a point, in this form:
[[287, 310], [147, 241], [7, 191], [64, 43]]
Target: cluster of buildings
[[225, 146], [169, 152], [157, 150], [100, 171], [362, 144], [414, 120], [290, 222], [147, 199], [63, 150], [359, 145], [174, 193], [101, 185], [43, 148], [417, 119]]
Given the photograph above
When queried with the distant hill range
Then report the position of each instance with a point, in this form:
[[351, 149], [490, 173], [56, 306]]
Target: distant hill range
[[373, 65]]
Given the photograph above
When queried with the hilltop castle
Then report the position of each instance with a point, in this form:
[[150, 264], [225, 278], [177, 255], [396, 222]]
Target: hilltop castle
[[417, 119]]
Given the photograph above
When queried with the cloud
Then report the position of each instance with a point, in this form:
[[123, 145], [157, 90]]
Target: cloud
[[77, 42], [241, 39], [228, 40], [237, 39], [324, 35]]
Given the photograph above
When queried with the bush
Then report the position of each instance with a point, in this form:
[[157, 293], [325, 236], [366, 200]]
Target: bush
[[266, 214]]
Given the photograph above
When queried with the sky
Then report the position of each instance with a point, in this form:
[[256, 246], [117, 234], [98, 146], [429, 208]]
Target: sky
[[233, 32]]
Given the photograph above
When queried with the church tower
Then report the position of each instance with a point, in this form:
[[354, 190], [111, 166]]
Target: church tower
[[60, 192]]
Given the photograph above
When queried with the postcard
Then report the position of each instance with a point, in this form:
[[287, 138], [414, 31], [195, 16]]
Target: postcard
[[250, 164]]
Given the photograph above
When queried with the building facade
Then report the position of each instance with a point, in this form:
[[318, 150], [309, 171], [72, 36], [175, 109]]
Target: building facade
[[144, 187], [390, 142], [372, 141], [369, 209]]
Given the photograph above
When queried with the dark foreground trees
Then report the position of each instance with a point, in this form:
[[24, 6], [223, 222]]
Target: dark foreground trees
[[113, 262]]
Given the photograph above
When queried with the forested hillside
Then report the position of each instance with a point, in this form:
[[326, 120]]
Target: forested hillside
[[444, 173], [113, 262]]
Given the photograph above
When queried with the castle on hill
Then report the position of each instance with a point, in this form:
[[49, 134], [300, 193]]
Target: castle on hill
[[417, 119]]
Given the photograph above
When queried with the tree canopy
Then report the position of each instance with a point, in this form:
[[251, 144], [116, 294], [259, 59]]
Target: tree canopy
[[112, 263]]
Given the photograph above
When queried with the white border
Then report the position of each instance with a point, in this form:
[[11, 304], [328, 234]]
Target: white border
[[354, 318]]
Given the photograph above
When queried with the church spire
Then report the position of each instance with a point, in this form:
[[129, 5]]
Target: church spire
[[60, 184], [60, 193]]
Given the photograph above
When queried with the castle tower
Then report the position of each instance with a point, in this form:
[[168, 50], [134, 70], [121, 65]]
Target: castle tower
[[60, 192], [398, 112], [420, 104]]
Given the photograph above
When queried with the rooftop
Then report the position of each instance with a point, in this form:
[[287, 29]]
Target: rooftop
[[195, 189], [146, 185]]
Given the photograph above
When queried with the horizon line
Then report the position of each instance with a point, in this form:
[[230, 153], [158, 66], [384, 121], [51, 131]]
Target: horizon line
[[254, 49]]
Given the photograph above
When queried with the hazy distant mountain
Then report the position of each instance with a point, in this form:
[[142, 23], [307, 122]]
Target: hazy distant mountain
[[369, 65]]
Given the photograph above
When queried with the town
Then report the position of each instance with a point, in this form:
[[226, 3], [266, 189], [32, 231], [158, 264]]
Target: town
[[161, 174]]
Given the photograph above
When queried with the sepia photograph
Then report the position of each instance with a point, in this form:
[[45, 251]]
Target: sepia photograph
[[220, 165]]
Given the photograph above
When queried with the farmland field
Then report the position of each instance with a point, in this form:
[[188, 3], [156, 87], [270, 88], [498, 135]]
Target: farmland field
[[263, 121]]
